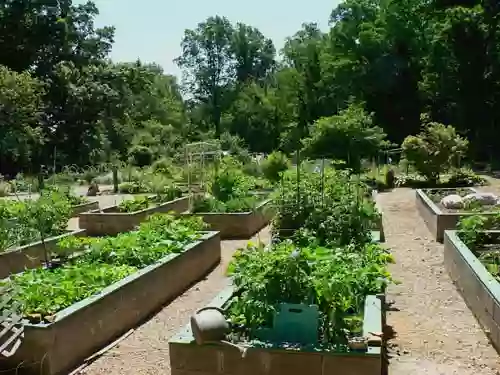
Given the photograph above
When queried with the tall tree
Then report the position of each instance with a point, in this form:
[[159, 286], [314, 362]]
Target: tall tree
[[20, 110], [207, 65], [254, 54]]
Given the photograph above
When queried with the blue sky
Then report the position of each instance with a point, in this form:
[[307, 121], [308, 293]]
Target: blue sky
[[152, 29]]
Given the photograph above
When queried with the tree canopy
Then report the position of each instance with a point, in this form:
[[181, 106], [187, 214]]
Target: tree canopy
[[370, 77]]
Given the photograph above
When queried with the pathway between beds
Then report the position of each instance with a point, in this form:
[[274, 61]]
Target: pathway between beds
[[435, 332]]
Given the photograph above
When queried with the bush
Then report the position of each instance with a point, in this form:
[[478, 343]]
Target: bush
[[163, 166], [465, 177], [349, 136], [140, 156], [434, 150], [129, 188], [274, 165]]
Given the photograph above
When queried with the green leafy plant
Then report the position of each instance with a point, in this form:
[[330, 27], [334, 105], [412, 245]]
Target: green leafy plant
[[465, 177], [135, 204], [480, 234], [331, 210], [62, 287], [66, 193], [434, 150], [229, 190], [275, 164], [27, 221], [349, 136], [336, 280], [90, 264]]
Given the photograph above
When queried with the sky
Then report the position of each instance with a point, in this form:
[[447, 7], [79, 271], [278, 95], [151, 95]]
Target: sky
[[152, 30]]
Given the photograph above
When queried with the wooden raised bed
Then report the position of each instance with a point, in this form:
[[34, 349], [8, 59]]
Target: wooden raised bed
[[109, 221], [31, 255], [435, 218], [479, 289], [188, 358], [83, 328], [89, 206], [238, 225]]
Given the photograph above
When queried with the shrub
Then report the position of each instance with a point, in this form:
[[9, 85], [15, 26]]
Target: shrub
[[129, 188], [434, 150], [163, 166], [274, 165], [140, 156], [465, 177], [349, 136]]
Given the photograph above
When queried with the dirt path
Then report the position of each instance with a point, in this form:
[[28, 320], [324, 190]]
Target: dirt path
[[146, 350], [436, 334]]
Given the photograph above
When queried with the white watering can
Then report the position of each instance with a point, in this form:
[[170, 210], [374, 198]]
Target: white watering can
[[209, 326]]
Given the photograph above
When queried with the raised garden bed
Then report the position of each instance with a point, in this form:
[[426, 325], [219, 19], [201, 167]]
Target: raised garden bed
[[480, 290], [79, 330], [439, 219], [84, 207], [187, 358], [31, 255], [110, 221], [238, 225]]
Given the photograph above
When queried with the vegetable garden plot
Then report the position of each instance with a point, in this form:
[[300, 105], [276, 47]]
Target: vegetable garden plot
[[299, 341], [84, 207], [238, 225], [437, 218], [187, 358], [110, 220], [31, 255], [475, 272], [68, 324]]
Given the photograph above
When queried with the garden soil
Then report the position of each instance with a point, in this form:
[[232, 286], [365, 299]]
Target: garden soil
[[434, 333]]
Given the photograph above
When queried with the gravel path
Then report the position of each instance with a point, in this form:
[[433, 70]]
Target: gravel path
[[146, 350], [435, 332]]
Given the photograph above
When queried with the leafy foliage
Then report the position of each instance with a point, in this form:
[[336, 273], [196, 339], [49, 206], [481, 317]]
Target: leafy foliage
[[100, 262], [374, 72], [275, 163], [434, 150], [134, 205], [336, 280], [349, 136], [229, 190], [332, 211], [142, 202], [480, 234], [63, 286], [27, 221]]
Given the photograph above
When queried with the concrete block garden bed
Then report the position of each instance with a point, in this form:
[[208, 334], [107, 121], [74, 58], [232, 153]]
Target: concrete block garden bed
[[109, 221], [187, 358], [83, 328], [238, 225], [439, 219], [480, 290], [84, 207], [31, 255]]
